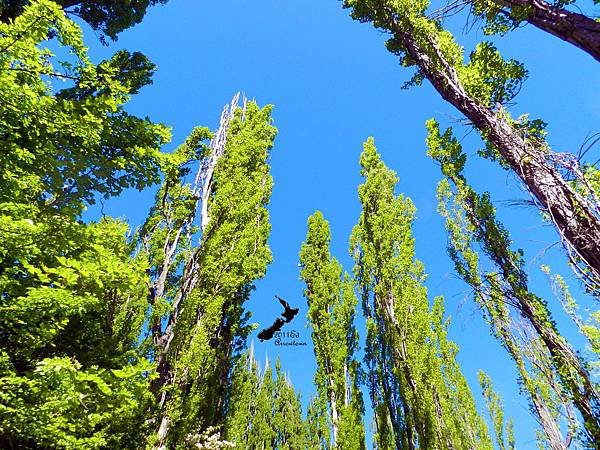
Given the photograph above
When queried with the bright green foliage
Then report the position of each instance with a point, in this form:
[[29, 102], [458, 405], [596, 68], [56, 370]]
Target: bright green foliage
[[551, 373], [416, 386], [503, 431], [290, 429], [108, 16], [73, 300], [487, 77], [62, 150], [502, 17], [166, 236], [331, 305], [318, 424], [233, 253], [589, 327], [498, 19], [264, 413], [70, 375]]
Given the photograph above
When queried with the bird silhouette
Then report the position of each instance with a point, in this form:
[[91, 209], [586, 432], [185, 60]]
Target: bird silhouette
[[289, 312], [268, 333]]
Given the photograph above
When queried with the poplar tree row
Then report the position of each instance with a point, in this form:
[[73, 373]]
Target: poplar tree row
[[113, 338]]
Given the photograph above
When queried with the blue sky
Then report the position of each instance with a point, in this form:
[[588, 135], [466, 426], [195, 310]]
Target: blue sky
[[333, 84]]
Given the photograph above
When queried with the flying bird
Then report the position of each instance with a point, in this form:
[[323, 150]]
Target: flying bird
[[268, 333], [289, 312]]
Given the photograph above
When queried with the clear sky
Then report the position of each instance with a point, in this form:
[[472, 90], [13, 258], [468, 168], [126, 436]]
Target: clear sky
[[333, 84]]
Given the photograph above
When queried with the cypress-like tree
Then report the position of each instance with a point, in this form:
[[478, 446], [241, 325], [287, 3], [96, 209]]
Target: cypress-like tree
[[471, 218], [331, 304], [290, 427], [479, 88], [415, 383], [206, 323], [262, 412]]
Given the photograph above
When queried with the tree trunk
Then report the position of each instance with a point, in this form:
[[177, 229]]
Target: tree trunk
[[574, 219], [203, 188], [577, 29], [502, 328], [569, 367]]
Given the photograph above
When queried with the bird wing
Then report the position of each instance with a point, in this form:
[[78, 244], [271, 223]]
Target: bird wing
[[285, 304]]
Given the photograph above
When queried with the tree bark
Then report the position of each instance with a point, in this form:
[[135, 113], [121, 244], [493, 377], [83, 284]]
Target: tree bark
[[203, 188], [574, 28], [569, 366], [575, 221]]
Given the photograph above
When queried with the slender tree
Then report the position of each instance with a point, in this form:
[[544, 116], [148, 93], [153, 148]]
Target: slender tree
[[478, 89], [287, 419], [206, 324], [410, 359], [473, 218], [264, 413], [503, 430], [331, 304]]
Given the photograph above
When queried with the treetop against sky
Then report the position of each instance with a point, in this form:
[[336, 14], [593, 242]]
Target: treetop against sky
[[333, 84]]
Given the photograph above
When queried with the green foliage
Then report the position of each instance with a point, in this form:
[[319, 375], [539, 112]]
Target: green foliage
[[318, 424], [73, 298], [107, 16], [165, 238], [264, 412], [415, 383], [502, 430], [502, 17], [486, 77], [590, 326], [63, 149], [331, 305], [233, 252], [551, 373]]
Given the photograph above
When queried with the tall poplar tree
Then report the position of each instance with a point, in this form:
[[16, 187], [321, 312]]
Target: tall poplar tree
[[416, 386], [72, 297], [479, 89], [262, 412], [503, 430], [206, 324], [331, 305], [471, 218]]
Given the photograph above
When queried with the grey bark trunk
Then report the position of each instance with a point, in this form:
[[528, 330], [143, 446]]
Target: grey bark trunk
[[577, 29], [575, 220]]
